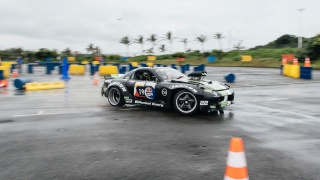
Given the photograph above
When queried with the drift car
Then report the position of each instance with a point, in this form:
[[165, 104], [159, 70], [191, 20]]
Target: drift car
[[166, 88]]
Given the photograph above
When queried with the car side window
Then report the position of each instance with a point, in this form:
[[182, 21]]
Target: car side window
[[144, 75]]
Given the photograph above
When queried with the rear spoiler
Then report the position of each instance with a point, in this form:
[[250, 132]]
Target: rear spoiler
[[113, 76]]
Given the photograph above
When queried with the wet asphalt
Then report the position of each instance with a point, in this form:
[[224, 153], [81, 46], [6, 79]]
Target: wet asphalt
[[74, 133]]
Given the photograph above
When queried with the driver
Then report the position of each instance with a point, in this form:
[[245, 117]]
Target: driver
[[146, 76]]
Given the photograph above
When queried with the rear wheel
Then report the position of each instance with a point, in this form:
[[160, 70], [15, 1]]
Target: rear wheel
[[185, 103], [115, 97]]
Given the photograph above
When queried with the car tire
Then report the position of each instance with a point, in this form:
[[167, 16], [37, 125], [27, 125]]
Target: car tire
[[185, 103], [115, 97]]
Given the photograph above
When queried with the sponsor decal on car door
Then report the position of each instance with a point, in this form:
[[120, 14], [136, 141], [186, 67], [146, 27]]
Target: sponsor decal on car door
[[145, 90]]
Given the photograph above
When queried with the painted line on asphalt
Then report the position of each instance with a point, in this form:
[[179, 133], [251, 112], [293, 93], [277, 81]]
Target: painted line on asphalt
[[303, 115], [36, 114], [276, 84], [269, 99]]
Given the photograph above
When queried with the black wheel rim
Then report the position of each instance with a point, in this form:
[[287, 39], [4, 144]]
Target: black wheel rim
[[114, 96], [186, 102]]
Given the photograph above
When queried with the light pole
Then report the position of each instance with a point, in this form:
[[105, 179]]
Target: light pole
[[300, 28]]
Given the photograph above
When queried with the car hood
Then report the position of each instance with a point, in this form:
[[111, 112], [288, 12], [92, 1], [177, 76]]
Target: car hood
[[211, 85]]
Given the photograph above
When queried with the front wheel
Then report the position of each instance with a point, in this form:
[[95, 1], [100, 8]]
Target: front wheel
[[185, 103], [115, 97]]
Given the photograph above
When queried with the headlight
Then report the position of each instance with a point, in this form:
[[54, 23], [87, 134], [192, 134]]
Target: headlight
[[214, 93]]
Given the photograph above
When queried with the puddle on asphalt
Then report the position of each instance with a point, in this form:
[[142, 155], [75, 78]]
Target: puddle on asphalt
[[6, 121]]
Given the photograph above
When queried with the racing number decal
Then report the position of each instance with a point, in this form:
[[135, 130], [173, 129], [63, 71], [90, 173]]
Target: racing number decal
[[139, 89], [145, 90]]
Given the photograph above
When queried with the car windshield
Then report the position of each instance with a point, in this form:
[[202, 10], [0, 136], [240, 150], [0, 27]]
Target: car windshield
[[169, 74]]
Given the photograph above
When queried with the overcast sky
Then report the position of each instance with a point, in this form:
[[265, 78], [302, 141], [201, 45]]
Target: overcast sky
[[58, 24]]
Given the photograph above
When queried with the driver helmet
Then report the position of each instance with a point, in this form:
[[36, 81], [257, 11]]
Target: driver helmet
[[146, 76]]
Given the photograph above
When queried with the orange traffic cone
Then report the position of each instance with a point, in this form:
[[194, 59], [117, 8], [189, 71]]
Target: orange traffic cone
[[307, 63], [3, 83], [95, 79], [295, 61], [15, 73], [236, 163], [284, 61]]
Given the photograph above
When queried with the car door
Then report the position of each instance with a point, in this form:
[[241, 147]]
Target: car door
[[143, 89]]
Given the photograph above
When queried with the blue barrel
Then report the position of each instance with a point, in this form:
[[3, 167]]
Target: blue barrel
[[30, 68], [1, 75], [48, 69], [19, 83], [96, 68], [230, 78], [183, 69], [122, 70], [187, 67], [13, 66], [60, 69]]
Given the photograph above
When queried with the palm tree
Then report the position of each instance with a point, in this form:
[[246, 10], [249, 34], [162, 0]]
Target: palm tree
[[90, 48], [169, 38], [97, 50], [140, 41], [162, 48], [153, 39], [185, 42], [126, 42], [149, 51], [238, 46], [219, 37], [202, 39]]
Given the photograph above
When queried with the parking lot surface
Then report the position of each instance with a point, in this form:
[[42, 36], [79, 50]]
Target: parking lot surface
[[74, 133]]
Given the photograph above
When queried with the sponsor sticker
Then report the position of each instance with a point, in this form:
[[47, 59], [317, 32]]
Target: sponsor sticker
[[119, 85], [183, 86], [164, 92], [149, 103], [150, 93], [142, 102], [128, 100], [126, 97], [203, 103], [156, 104]]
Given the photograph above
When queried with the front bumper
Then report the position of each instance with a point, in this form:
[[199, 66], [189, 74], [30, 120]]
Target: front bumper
[[218, 103], [215, 106], [104, 91]]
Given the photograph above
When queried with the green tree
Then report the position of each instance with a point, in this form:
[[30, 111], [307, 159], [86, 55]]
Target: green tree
[[313, 48], [125, 40], [202, 39], [44, 53], [67, 52], [219, 36], [286, 39], [30, 56], [4, 55], [218, 53]]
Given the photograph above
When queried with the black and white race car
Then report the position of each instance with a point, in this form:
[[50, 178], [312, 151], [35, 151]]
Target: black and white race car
[[166, 87]]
